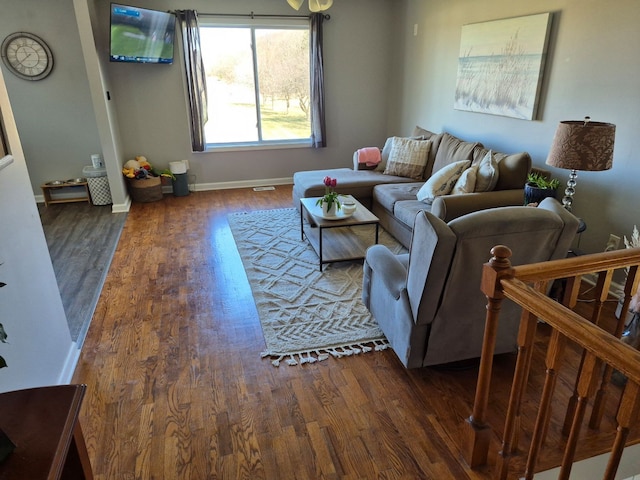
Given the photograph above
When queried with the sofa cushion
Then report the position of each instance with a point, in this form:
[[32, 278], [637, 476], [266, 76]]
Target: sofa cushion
[[451, 149], [421, 132], [406, 211], [358, 183], [386, 150], [442, 181], [513, 168], [407, 158], [467, 181], [488, 173], [387, 195], [435, 139]]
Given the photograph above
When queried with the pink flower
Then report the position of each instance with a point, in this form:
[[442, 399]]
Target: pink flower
[[330, 195]]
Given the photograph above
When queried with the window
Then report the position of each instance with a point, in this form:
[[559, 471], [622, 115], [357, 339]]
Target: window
[[258, 82]]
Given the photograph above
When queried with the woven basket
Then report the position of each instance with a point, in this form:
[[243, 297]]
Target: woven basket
[[145, 189]]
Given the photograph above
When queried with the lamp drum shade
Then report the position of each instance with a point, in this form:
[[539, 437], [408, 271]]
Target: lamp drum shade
[[583, 145]]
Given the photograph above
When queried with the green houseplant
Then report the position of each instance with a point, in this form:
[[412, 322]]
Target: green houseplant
[[539, 187]]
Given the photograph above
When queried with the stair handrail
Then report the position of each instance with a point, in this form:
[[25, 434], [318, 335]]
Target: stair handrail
[[526, 285]]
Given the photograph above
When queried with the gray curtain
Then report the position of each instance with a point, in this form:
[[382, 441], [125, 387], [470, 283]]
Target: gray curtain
[[196, 79], [318, 129]]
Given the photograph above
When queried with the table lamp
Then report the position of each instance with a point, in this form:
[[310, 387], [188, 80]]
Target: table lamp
[[581, 145]]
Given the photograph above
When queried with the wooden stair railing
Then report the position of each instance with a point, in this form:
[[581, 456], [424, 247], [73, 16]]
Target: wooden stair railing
[[603, 352]]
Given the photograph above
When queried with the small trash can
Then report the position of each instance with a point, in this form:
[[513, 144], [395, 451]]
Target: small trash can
[[98, 185], [180, 185], [180, 182]]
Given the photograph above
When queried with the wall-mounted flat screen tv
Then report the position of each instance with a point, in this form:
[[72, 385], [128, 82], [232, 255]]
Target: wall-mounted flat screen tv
[[141, 35]]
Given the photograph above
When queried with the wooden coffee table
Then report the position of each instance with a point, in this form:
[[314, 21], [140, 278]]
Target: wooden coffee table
[[329, 238]]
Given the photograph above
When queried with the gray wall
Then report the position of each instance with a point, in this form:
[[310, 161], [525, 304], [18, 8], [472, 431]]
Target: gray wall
[[39, 350], [150, 99], [592, 69], [54, 116]]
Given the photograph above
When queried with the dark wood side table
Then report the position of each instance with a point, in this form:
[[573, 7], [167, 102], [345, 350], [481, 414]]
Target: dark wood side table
[[43, 423]]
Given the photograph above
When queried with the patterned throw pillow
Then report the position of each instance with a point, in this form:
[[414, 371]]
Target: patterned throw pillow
[[487, 175], [407, 158], [467, 181], [443, 181]]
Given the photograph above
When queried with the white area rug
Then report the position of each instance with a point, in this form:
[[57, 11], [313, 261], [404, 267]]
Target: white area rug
[[306, 315]]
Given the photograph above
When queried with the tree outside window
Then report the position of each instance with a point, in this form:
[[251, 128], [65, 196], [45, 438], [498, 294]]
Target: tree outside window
[[257, 84]]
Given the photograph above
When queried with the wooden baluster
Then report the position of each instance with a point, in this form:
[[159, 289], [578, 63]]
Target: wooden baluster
[[571, 291], [526, 335], [552, 361], [498, 267], [602, 290], [600, 400], [627, 415], [587, 383], [515, 439]]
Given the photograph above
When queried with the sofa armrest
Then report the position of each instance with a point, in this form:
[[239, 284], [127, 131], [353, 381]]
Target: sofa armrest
[[380, 261], [448, 207]]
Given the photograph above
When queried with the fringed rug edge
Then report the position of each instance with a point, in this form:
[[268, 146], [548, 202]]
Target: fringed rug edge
[[319, 354]]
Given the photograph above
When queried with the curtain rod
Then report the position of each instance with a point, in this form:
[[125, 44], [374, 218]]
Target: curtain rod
[[252, 15]]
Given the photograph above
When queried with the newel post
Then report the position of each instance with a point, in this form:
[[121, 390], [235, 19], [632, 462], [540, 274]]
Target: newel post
[[494, 270]]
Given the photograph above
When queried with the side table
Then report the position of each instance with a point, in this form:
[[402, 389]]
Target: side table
[[576, 252], [330, 240], [43, 423]]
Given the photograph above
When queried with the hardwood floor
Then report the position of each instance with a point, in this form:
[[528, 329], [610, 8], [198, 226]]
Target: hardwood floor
[[81, 240], [177, 388]]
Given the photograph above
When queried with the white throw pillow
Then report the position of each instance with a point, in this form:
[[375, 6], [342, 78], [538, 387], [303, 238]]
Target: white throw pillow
[[487, 175], [407, 157], [442, 181], [467, 181]]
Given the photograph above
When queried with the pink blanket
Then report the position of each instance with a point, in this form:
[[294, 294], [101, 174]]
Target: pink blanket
[[370, 156]]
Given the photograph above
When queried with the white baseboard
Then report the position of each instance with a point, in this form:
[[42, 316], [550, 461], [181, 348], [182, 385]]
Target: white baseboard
[[66, 375], [197, 187], [202, 187], [122, 207]]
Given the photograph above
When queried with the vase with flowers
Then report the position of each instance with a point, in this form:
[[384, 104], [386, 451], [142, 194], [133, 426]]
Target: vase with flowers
[[329, 202]]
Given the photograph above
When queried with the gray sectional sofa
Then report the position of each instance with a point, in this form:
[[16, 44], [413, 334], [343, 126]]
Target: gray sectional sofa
[[394, 198]]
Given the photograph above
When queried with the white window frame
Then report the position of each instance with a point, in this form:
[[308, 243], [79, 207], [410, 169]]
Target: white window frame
[[297, 23]]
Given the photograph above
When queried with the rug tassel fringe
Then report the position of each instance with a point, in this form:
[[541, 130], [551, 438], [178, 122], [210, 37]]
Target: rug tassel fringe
[[312, 356], [380, 345]]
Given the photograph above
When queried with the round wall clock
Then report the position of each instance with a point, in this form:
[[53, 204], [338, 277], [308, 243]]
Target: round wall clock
[[27, 56]]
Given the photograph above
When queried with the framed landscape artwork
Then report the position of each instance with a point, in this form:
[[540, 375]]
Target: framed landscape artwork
[[500, 66]]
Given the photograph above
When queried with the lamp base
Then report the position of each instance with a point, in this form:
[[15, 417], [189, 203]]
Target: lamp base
[[567, 200]]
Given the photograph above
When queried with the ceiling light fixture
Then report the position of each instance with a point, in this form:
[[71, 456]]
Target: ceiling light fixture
[[314, 5]]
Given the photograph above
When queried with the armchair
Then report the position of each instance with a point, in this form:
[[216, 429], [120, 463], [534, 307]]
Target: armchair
[[428, 302]]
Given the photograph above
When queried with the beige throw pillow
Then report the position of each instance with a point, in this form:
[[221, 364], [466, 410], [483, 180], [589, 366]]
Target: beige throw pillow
[[407, 157], [443, 181], [467, 181], [386, 150], [487, 175]]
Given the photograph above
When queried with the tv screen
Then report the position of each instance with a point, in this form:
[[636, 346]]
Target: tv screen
[[140, 35]]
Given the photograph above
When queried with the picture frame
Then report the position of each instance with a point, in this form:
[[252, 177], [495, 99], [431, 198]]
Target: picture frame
[[501, 65]]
